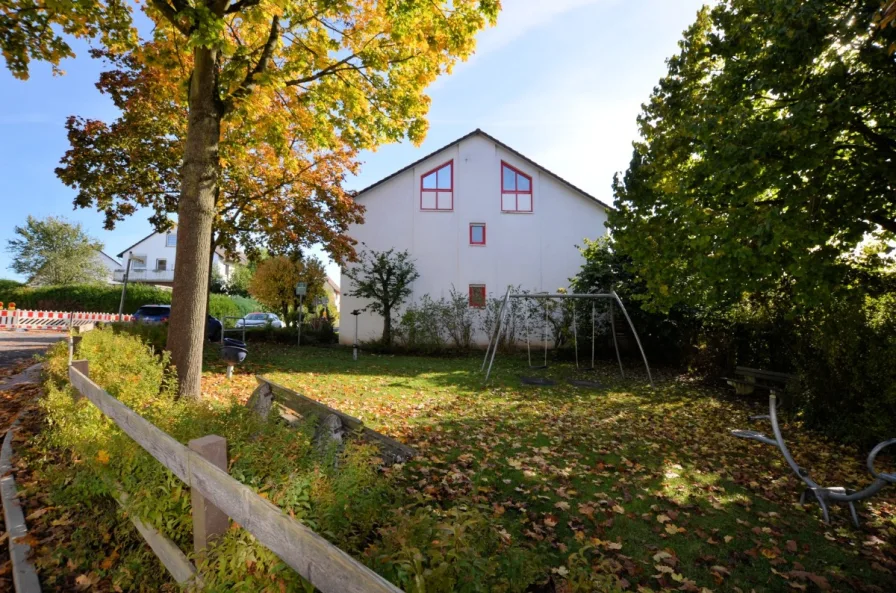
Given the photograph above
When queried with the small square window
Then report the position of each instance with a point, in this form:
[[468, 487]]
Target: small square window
[[477, 233], [477, 296], [161, 265], [171, 240]]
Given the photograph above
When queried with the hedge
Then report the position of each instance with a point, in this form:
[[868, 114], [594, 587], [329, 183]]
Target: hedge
[[105, 299]]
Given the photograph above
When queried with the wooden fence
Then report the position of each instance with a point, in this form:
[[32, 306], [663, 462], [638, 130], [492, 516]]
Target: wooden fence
[[216, 497]]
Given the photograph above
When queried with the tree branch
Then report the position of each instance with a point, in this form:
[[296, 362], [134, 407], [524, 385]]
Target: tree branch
[[249, 82], [170, 13], [241, 5], [888, 224]]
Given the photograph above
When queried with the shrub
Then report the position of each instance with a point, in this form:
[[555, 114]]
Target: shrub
[[84, 297], [846, 361], [420, 328], [344, 500]]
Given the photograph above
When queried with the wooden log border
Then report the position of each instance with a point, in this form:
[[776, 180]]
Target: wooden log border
[[318, 561], [399, 452], [24, 577], [171, 557]]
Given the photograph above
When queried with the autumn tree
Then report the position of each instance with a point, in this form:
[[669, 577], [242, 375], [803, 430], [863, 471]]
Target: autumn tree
[[766, 155], [333, 76], [55, 251], [384, 278], [275, 279]]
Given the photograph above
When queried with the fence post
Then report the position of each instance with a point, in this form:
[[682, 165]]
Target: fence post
[[208, 520]]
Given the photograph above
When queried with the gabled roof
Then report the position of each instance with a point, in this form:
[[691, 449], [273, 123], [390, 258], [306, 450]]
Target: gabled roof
[[479, 132], [137, 243], [109, 257], [240, 258]]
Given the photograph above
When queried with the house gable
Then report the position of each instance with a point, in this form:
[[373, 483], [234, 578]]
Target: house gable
[[443, 156]]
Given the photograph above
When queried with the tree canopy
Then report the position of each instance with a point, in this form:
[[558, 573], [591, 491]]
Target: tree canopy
[[55, 251], [766, 154], [275, 279], [291, 80]]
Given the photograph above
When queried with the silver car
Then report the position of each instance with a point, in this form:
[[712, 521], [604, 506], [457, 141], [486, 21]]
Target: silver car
[[260, 320]]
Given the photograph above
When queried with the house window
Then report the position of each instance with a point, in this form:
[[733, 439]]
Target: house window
[[171, 240], [437, 188], [477, 295], [138, 262], [161, 265], [516, 190], [477, 233]]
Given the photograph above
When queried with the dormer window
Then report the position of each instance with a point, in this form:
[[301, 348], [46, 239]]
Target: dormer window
[[171, 240], [437, 188], [516, 190]]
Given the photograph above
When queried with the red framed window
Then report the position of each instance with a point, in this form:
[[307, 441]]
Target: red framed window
[[516, 190], [437, 188], [477, 233], [477, 296]]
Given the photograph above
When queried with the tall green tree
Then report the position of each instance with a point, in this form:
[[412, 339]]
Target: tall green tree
[[385, 278], [55, 251], [766, 154], [332, 75]]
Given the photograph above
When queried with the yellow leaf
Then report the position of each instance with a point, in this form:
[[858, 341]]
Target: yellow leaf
[[618, 509], [671, 528], [102, 457], [663, 518]]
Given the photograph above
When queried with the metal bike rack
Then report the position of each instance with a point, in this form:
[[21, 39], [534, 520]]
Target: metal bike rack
[[823, 495]]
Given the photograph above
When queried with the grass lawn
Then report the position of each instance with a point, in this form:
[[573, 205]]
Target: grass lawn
[[626, 485]]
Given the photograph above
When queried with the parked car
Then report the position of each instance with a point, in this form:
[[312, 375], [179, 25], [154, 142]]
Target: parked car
[[259, 320], [161, 314]]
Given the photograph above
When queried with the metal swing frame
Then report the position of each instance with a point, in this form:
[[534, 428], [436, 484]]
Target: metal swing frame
[[495, 338]]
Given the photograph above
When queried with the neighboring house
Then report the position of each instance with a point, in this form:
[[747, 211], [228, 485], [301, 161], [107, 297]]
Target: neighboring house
[[333, 293], [153, 259], [480, 216], [109, 263]]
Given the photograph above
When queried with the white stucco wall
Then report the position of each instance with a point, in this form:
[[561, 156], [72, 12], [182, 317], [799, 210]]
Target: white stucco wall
[[155, 248], [536, 251]]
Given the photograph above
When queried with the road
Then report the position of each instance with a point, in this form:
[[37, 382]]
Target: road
[[18, 346]]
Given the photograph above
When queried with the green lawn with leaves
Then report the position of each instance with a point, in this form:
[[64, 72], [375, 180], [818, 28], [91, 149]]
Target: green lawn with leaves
[[625, 487]]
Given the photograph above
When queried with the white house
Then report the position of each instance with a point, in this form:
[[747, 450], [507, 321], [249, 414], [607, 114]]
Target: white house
[[109, 263], [333, 293], [477, 215], [153, 258]]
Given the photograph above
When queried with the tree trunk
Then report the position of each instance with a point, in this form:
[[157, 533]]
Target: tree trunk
[[195, 214], [387, 327]]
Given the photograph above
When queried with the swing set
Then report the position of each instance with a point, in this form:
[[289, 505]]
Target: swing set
[[500, 326]]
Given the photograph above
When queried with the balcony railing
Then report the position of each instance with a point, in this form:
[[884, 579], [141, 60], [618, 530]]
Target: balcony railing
[[149, 276]]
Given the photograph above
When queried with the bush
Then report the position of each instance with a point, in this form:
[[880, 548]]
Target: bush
[[846, 361], [345, 503], [84, 297]]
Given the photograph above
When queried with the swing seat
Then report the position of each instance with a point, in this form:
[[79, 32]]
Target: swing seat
[[538, 381]]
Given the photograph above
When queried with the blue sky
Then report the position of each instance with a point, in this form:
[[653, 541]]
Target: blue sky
[[561, 81]]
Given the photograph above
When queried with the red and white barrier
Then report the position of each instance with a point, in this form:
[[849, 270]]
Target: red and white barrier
[[54, 320]]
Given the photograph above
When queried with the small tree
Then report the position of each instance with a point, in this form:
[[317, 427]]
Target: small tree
[[274, 282], [55, 251], [385, 278]]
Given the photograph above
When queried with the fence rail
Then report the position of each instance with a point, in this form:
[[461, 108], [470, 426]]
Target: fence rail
[[318, 561], [54, 320]]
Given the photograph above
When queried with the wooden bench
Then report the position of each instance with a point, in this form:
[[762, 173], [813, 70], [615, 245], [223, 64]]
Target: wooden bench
[[746, 380]]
